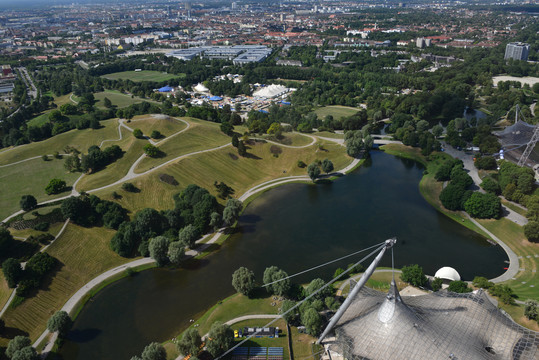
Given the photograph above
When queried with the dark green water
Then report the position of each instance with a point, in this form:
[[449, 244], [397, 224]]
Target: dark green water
[[295, 227]]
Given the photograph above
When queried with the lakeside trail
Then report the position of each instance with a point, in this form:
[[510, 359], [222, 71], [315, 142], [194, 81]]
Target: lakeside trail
[[79, 295]]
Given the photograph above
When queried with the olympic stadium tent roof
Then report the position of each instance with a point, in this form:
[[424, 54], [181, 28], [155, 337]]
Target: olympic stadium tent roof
[[514, 139], [165, 89], [437, 326], [447, 273], [271, 91], [201, 88]]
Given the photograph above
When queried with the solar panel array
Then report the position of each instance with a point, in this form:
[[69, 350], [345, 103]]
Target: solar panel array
[[258, 353]]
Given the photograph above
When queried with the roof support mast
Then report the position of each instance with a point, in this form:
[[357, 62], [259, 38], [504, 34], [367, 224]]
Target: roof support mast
[[389, 244]]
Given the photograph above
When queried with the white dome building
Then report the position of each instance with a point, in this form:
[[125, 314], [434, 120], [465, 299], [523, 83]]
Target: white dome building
[[447, 273]]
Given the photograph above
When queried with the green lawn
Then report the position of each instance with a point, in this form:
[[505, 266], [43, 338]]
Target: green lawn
[[145, 75], [81, 139], [118, 99], [241, 173], [292, 139], [526, 285], [30, 177], [329, 135], [336, 111], [164, 124], [83, 253], [39, 120], [119, 168], [200, 136], [5, 291]]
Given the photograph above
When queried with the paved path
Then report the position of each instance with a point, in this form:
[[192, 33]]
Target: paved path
[[32, 158], [469, 165], [313, 138], [513, 268]]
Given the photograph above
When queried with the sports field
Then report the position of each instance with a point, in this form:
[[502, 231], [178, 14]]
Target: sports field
[[145, 75]]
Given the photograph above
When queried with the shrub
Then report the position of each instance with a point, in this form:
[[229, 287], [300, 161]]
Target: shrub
[[169, 179], [413, 274], [138, 133], [301, 164], [42, 226], [156, 135], [130, 187], [55, 186], [483, 206], [459, 287]]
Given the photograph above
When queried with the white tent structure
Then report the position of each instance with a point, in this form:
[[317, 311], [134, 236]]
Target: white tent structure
[[201, 88], [271, 91]]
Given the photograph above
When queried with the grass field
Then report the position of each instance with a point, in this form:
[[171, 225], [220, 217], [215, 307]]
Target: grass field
[[118, 99], [281, 341], [83, 254], [336, 111], [329, 135], [164, 124], [526, 285], [39, 120], [118, 169], [81, 139], [5, 291], [200, 136], [145, 75], [241, 173], [292, 139], [30, 177]]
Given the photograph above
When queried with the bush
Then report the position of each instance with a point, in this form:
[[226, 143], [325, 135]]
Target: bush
[[301, 164], [42, 226], [436, 284], [138, 133], [152, 151], [28, 202], [491, 186], [459, 287], [156, 135], [486, 163], [130, 187], [482, 282], [55, 186], [531, 230], [169, 179]]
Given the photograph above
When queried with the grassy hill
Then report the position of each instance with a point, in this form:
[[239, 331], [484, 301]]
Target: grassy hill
[[145, 75], [336, 111]]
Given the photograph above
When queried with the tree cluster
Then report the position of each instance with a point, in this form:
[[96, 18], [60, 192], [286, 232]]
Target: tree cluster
[[89, 210]]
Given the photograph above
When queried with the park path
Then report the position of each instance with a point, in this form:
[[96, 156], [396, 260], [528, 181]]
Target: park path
[[32, 158], [469, 165], [313, 138]]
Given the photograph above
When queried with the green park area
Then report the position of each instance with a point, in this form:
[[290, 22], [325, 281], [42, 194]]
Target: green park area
[[118, 99], [337, 111], [82, 253], [144, 75]]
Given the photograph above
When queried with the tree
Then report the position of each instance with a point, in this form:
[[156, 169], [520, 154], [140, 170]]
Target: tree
[[503, 292], [152, 151], [243, 280], [176, 251], [437, 130], [413, 274], [107, 103], [55, 186], [232, 210], [138, 133], [483, 206], [356, 143], [26, 353], [28, 202], [6, 239], [190, 342], [272, 274], [327, 166], [188, 235], [486, 163], [275, 129], [491, 186], [531, 310], [531, 230], [313, 170], [129, 187], [12, 271], [60, 322], [19, 342], [156, 134], [159, 250], [436, 284], [72, 163], [292, 316], [215, 220], [314, 286], [222, 338], [482, 282], [312, 321], [154, 351], [242, 150], [459, 286]]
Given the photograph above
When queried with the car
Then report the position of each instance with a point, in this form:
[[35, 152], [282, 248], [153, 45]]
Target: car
[[236, 334]]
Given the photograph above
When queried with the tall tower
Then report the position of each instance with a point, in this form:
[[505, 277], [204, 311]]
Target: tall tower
[[188, 7], [517, 51]]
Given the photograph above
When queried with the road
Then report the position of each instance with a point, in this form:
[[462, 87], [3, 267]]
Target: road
[[32, 90]]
